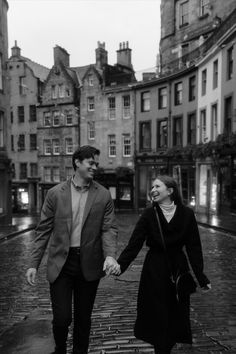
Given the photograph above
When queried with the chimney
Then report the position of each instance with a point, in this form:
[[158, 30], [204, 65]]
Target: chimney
[[124, 55], [149, 76], [101, 55], [15, 51], [61, 56]]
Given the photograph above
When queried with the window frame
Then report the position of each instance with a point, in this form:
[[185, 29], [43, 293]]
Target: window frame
[[47, 115], [33, 142], [204, 82], [56, 118], [182, 21], [56, 180], [21, 142], [141, 136], [23, 170], [47, 168], [47, 147], [126, 145], [112, 145], [215, 74], [91, 130], [230, 63], [159, 135], [126, 107], [190, 140], [21, 114], [69, 147], [112, 108], [145, 101], [177, 119], [203, 125], [162, 98], [91, 104], [192, 88], [214, 121], [178, 93], [55, 147]]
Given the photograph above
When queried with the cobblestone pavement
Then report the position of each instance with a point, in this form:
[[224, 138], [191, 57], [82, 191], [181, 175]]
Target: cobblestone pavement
[[213, 314]]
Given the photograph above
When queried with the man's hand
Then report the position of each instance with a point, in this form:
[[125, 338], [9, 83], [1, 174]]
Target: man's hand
[[110, 266], [31, 276]]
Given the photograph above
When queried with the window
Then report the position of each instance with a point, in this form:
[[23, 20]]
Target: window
[[230, 63], [22, 85], [68, 92], [54, 91], [12, 117], [191, 127], [56, 147], [162, 134], [69, 146], [178, 93], [13, 170], [1, 73], [32, 113], [56, 118], [47, 174], [56, 174], [228, 115], [126, 145], [145, 136], [91, 130], [192, 88], [90, 79], [47, 119], [1, 129], [69, 117], [177, 132], [203, 136], [214, 121], [183, 12], [21, 142], [23, 170], [33, 170], [145, 101], [33, 142], [126, 106], [21, 114], [61, 91], [91, 105], [204, 7], [162, 98], [47, 147], [215, 74], [111, 107], [69, 172], [112, 145], [204, 81], [12, 143]]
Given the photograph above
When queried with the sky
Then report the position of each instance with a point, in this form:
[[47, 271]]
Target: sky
[[77, 26]]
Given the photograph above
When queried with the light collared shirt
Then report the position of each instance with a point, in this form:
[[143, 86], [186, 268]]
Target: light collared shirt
[[79, 196]]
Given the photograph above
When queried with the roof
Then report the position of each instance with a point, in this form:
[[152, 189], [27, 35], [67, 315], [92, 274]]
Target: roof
[[39, 70], [82, 70]]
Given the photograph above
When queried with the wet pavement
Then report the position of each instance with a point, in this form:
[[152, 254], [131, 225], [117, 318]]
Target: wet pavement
[[25, 313]]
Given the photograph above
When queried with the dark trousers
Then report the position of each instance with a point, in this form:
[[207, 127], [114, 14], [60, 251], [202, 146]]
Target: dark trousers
[[70, 283]]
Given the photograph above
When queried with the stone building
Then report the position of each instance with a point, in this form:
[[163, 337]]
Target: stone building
[[26, 80], [185, 24], [5, 168]]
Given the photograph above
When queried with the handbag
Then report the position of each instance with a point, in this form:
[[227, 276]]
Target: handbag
[[184, 283]]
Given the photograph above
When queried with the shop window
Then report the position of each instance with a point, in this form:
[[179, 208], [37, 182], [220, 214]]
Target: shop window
[[214, 122], [21, 114], [47, 147], [21, 142], [90, 104], [177, 131], [47, 119], [162, 97], [145, 101], [204, 82], [203, 137], [192, 88], [228, 115], [56, 174], [178, 93], [69, 117], [230, 63], [215, 74], [191, 126], [69, 146], [162, 136], [91, 130], [33, 142], [1, 129], [111, 107], [32, 113], [34, 169], [145, 136], [23, 170], [112, 145], [126, 106], [56, 118], [47, 174], [124, 192], [56, 146], [22, 85], [183, 13], [126, 145]]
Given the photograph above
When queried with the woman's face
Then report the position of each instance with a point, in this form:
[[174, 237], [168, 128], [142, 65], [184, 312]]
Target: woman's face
[[160, 192]]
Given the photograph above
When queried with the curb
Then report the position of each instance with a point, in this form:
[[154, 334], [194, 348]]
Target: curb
[[217, 228], [16, 233]]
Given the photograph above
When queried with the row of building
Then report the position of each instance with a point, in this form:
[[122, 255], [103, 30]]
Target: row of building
[[179, 120]]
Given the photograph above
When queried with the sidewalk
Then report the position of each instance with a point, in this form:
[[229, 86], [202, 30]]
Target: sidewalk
[[19, 225]]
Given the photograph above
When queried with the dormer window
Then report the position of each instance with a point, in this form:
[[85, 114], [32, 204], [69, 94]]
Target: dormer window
[[61, 91], [90, 79]]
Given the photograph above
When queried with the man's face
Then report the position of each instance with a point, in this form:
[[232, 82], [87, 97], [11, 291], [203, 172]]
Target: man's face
[[87, 168]]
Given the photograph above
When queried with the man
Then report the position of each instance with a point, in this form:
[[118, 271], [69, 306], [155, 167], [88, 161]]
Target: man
[[77, 220]]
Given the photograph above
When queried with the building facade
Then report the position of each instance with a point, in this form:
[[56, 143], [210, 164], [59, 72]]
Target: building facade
[[26, 80], [5, 166]]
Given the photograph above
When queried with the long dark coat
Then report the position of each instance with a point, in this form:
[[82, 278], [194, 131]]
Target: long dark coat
[[161, 320]]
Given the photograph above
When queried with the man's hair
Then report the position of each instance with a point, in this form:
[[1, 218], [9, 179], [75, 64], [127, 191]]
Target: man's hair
[[84, 152]]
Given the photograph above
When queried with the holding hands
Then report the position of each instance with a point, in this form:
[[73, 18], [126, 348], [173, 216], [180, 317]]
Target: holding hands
[[111, 267]]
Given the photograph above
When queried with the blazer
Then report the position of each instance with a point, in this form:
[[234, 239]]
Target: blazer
[[98, 234]]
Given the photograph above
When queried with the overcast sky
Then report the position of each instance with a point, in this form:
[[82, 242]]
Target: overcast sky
[[77, 25]]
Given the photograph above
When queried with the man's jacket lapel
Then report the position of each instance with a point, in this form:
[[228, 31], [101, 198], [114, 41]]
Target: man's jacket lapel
[[66, 203], [91, 196]]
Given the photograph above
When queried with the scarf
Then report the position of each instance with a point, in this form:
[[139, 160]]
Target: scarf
[[168, 210]]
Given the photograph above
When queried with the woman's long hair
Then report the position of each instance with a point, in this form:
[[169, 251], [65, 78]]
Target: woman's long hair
[[170, 182]]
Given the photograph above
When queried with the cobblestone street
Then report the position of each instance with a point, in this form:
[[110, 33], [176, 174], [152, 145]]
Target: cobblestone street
[[213, 314]]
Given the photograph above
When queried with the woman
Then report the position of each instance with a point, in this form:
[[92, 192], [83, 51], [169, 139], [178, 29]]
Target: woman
[[161, 319]]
